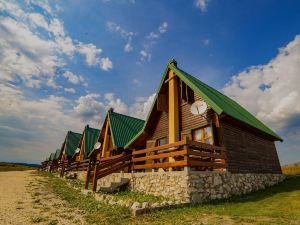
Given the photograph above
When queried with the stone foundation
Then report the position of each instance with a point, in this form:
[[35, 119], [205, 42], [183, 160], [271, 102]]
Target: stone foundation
[[195, 186], [80, 175]]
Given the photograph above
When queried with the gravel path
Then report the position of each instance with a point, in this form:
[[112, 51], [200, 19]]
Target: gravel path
[[25, 199]]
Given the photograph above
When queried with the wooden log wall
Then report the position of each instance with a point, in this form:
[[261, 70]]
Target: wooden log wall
[[249, 152]]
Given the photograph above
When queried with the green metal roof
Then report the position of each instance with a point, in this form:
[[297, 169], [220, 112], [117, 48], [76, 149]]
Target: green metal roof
[[71, 143], [57, 154], [123, 128], [52, 155], [91, 136], [219, 102]]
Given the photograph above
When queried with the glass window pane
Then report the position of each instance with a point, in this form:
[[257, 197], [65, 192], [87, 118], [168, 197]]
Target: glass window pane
[[162, 141], [209, 141], [197, 135], [208, 132]]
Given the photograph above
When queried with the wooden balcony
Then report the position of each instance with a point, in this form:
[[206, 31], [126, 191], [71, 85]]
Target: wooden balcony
[[176, 156]]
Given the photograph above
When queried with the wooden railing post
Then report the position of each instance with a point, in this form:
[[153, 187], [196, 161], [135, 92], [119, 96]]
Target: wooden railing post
[[62, 169], [95, 177], [87, 179]]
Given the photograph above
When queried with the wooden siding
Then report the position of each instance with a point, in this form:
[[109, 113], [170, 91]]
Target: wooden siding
[[188, 121], [249, 152], [160, 126]]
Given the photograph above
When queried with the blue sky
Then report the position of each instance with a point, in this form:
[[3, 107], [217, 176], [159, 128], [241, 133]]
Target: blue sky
[[63, 64]]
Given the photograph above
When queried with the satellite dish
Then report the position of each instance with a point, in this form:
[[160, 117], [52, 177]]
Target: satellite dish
[[198, 108], [77, 150], [97, 145]]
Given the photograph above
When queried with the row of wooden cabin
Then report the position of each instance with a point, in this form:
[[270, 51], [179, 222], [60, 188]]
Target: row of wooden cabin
[[190, 126]]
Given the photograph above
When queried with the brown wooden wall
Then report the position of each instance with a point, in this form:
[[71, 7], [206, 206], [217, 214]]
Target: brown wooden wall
[[188, 121], [248, 151], [160, 126]]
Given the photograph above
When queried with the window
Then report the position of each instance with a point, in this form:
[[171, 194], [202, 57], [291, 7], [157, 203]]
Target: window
[[186, 93], [161, 141], [203, 135]]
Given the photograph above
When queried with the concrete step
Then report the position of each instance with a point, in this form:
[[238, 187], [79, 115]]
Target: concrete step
[[115, 186]]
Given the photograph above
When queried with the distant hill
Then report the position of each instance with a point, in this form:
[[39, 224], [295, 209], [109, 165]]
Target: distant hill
[[9, 166]]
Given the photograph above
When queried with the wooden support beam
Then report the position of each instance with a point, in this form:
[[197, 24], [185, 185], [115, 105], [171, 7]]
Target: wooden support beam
[[106, 140], [173, 110]]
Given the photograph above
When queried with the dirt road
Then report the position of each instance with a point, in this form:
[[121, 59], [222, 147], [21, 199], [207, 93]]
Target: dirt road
[[25, 199]]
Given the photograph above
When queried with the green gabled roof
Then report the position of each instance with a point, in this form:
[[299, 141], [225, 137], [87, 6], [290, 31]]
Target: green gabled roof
[[219, 102], [71, 143], [91, 136], [57, 154], [52, 155], [123, 128]]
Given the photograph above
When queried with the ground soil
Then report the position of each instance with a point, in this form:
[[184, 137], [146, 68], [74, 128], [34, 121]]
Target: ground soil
[[24, 199]]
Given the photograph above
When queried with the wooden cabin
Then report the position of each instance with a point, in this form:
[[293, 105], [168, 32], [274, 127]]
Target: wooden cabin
[[86, 145], [191, 125], [70, 145], [117, 130]]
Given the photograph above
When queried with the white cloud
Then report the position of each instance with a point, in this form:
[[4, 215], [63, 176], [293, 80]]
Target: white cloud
[[128, 35], [106, 64], [145, 56], [24, 54], [151, 38], [202, 4], [142, 106], [128, 47], [271, 91], [163, 27], [31, 128], [91, 53], [92, 108], [160, 30], [70, 90], [72, 78], [32, 57]]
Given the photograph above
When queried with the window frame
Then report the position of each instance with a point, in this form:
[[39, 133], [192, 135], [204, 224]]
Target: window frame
[[204, 138]]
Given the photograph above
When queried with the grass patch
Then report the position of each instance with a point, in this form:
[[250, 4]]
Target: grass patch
[[135, 196], [53, 222], [4, 167], [276, 205], [38, 219], [293, 169], [94, 211]]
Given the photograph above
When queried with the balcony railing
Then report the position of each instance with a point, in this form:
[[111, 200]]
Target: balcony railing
[[178, 155]]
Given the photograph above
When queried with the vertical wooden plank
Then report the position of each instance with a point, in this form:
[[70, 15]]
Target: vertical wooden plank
[[87, 179], [95, 178], [106, 140], [173, 110]]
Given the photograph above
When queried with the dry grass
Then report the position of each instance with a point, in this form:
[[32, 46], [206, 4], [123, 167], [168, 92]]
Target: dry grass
[[13, 167], [293, 169]]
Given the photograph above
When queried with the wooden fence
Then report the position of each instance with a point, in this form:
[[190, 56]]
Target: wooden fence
[[180, 154], [106, 166]]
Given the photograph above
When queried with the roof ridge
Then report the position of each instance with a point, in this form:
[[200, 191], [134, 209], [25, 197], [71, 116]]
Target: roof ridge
[[126, 116]]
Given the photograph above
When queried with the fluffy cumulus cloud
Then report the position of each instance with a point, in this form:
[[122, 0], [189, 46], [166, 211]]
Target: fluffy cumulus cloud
[[142, 106], [92, 107], [202, 4], [34, 44], [31, 127], [271, 91], [35, 50], [72, 78]]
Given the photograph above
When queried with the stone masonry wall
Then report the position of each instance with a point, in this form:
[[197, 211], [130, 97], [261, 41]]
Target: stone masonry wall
[[205, 186], [194, 186]]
